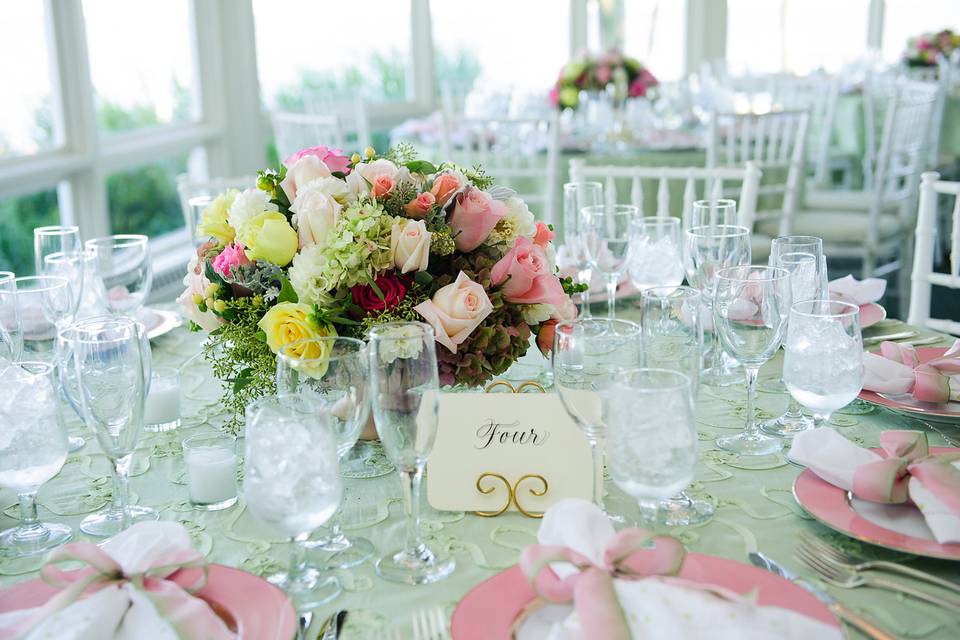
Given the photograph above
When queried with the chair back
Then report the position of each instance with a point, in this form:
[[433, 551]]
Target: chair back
[[923, 277], [296, 131], [195, 195], [817, 95], [351, 111]]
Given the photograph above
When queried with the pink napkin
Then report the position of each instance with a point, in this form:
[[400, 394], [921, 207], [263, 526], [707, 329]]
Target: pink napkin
[[898, 370], [858, 292]]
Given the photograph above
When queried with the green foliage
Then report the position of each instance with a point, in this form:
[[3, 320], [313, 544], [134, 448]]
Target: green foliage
[[18, 217], [570, 287], [401, 153]]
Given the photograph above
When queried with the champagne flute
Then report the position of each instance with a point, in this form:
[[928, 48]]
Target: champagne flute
[[124, 272], [823, 359], [576, 196], [404, 394], [750, 312], [606, 242], [655, 252], [587, 354], [54, 239], [335, 372], [291, 481], [32, 451]]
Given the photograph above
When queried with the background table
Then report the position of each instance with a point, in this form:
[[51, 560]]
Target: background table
[[755, 510]]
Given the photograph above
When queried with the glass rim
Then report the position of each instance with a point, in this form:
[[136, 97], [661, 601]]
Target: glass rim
[[616, 208], [42, 368], [717, 202], [79, 328], [684, 381], [55, 230], [775, 273], [376, 332], [187, 444], [65, 256], [118, 240], [851, 310], [686, 292], [304, 404], [7, 275], [584, 182], [282, 353], [656, 219], [61, 282], [723, 231], [789, 257], [798, 239], [634, 326]]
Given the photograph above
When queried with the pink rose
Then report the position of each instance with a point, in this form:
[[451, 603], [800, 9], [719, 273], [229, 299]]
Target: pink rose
[[474, 216], [456, 310], [543, 235], [554, 96], [420, 206], [382, 185], [232, 256], [333, 158], [637, 88], [526, 277], [604, 74]]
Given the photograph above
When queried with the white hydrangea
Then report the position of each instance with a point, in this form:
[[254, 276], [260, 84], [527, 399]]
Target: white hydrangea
[[402, 342], [246, 205], [519, 221], [305, 272], [536, 313]]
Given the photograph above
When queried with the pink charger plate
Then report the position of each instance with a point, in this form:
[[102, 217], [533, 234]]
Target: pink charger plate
[[906, 403], [488, 611], [831, 506], [251, 606], [870, 314]]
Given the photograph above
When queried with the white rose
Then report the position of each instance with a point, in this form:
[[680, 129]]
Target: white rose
[[316, 210], [410, 243], [357, 187], [373, 170], [305, 170], [246, 205]]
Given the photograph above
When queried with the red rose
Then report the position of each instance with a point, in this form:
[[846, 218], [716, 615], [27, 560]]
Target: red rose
[[393, 287]]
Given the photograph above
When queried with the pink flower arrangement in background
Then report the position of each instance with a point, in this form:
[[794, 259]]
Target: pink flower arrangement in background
[[590, 72]]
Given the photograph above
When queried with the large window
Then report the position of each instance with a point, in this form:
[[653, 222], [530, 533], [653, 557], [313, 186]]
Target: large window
[[905, 19], [18, 217], [653, 31]]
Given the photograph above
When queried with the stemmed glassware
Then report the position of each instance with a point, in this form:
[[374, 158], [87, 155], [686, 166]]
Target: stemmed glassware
[[124, 272], [750, 312], [32, 451], [655, 252], [105, 373], [653, 437], [713, 213], [335, 372], [823, 359], [587, 354], [606, 242], [11, 343], [291, 481], [405, 390], [576, 196], [63, 240], [673, 340]]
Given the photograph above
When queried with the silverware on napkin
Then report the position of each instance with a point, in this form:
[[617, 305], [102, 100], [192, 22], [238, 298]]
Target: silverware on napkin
[[902, 335], [855, 619]]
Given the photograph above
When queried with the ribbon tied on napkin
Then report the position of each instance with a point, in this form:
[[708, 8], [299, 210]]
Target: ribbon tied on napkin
[[897, 370]]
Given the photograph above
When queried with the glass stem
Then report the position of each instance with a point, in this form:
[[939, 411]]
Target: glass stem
[[298, 557], [751, 430], [596, 453], [29, 527], [611, 296], [336, 534], [794, 410], [821, 419], [121, 485], [716, 355], [411, 498], [583, 277]]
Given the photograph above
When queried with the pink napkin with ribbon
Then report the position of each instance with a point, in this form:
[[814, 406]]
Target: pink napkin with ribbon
[[124, 591], [623, 585], [906, 472], [859, 292], [897, 370]]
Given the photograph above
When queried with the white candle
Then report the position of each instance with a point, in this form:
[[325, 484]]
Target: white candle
[[211, 474], [163, 402]]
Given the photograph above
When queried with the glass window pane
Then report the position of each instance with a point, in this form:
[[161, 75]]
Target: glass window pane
[[320, 47], [144, 200], [142, 74], [654, 33], [905, 19], [26, 122], [18, 217]]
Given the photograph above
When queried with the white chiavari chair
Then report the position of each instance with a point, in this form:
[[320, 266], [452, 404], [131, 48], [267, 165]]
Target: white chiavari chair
[[296, 131], [923, 277], [351, 112], [195, 195]]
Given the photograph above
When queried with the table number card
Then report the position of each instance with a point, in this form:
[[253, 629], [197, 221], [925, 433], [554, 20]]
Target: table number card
[[505, 437]]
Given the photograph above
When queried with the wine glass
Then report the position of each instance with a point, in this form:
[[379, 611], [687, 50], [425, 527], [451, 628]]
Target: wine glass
[[709, 249], [124, 272], [75, 267], [823, 358], [576, 196], [11, 343], [655, 252], [713, 213], [587, 353], [54, 239], [291, 481], [750, 311], [110, 358], [404, 395], [671, 318], [653, 438], [334, 371], [32, 450], [606, 241]]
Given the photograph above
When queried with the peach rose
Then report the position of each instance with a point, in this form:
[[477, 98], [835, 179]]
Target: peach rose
[[382, 185], [420, 206], [444, 185], [456, 310], [410, 242], [543, 235], [474, 216], [526, 276]]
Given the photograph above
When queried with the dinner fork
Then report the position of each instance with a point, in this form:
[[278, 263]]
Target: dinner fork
[[839, 577], [848, 562], [430, 624]]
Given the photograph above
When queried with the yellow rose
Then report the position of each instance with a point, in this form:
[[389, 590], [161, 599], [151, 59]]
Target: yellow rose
[[290, 322], [268, 236], [213, 219]]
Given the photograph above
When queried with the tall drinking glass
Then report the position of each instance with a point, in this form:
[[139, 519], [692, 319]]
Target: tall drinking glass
[[823, 359], [32, 450], [124, 272], [54, 239], [713, 213], [405, 390], [576, 196], [750, 311], [606, 241], [587, 354], [655, 252], [335, 372], [291, 481], [653, 438], [11, 343], [709, 249], [73, 267]]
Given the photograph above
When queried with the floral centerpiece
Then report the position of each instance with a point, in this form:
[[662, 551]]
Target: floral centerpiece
[[925, 49], [589, 72], [333, 245]]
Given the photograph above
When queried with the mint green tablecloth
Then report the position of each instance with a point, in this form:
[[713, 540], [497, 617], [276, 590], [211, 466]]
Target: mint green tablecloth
[[755, 510]]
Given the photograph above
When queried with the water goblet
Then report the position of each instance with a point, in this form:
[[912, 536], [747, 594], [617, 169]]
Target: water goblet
[[11, 343], [335, 372], [750, 311], [823, 358], [54, 239], [587, 354], [124, 272], [32, 451], [404, 396], [653, 439], [576, 196], [606, 242], [655, 252], [74, 266]]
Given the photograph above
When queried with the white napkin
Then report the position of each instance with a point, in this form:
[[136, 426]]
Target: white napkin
[[657, 610], [883, 375], [834, 458], [858, 292]]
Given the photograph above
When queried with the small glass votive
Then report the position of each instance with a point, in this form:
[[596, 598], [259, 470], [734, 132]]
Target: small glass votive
[[162, 409], [211, 462]]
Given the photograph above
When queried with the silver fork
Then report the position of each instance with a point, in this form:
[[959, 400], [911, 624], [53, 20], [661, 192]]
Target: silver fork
[[430, 624], [850, 563], [836, 575]]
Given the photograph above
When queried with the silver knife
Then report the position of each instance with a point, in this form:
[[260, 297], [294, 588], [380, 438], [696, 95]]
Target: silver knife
[[890, 336], [757, 559]]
